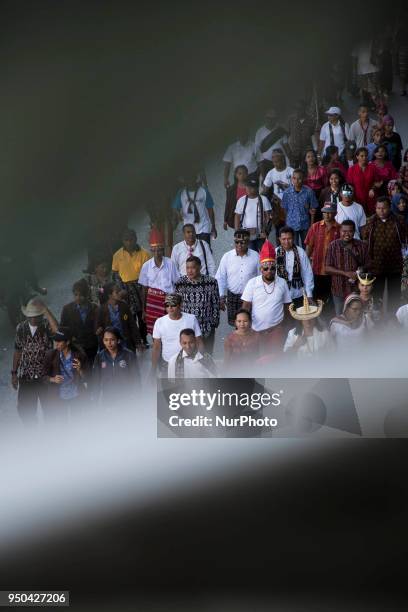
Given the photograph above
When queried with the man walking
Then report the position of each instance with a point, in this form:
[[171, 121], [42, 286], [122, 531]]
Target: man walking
[[191, 245], [252, 212], [190, 362], [293, 265], [300, 204], [236, 268]]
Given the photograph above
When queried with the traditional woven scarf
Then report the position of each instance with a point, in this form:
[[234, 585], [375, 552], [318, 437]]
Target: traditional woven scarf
[[297, 280], [206, 361], [192, 206]]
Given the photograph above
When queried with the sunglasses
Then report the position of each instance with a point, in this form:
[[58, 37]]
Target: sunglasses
[[241, 241], [267, 267]]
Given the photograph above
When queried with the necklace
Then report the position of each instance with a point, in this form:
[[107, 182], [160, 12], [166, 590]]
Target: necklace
[[268, 292]]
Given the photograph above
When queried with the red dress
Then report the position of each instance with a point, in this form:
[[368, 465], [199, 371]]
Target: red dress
[[317, 180], [387, 172], [241, 349], [363, 181]]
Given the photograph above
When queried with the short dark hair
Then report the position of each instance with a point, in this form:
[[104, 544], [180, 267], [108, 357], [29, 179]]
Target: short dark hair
[[286, 229], [361, 149], [81, 287], [298, 171], [186, 225], [383, 200], [349, 222], [337, 172], [193, 259], [109, 288], [130, 232], [187, 332], [242, 232], [243, 311]]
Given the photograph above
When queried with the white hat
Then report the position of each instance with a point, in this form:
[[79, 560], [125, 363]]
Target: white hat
[[34, 308], [333, 110]]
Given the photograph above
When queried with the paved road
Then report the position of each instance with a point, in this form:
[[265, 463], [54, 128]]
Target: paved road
[[59, 285]]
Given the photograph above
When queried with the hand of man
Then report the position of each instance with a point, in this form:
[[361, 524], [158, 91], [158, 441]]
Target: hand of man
[[225, 225], [214, 233], [222, 303], [14, 381], [226, 183], [58, 379]]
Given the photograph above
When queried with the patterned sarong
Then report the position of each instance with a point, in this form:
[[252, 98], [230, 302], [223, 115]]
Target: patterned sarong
[[154, 307], [234, 303], [134, 297]]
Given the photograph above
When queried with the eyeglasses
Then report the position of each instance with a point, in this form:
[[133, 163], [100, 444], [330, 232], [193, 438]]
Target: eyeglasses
[[241, 241], [267, 267]]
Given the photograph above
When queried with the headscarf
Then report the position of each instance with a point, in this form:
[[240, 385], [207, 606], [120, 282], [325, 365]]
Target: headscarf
[[394, 206], [353, 297]]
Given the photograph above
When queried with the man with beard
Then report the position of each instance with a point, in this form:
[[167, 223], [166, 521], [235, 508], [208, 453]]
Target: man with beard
[[267, 297]]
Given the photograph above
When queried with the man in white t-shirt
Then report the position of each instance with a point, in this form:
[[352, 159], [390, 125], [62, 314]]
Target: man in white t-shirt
[[279, 177], [196, 206], [347, 209], [334, 132], [166, 332], [243, 152], [268, 298], [252, 212], [189, 362]]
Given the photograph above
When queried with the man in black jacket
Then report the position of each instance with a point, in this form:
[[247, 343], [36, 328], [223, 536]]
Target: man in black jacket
[[79, 317]]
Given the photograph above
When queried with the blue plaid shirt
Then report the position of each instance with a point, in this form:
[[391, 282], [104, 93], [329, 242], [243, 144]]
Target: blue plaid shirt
[[297, 205]]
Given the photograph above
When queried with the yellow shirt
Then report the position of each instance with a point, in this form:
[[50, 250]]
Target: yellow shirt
[[129, 265]]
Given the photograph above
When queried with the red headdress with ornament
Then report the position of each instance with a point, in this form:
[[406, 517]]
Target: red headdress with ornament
[[156, 237], [267, 253]]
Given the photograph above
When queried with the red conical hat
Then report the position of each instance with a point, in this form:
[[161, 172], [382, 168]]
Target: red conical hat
[[156, 237], [267, 253]]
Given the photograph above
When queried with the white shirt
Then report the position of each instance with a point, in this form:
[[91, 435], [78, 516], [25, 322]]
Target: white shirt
[[252, 211], [275, 176], [33, 329], [261, 134], [204, 224], [338, 136], [192, 367], [357, 132], [362, 51], [235, 271], [162, 278], [402, 315], [181, 251], [168, 331], [267, 301], [319, 340], [239, 154], [348, 337], [355, 212], [305, 271]]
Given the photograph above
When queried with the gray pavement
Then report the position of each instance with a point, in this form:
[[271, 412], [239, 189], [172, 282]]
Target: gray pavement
[[59, 284]]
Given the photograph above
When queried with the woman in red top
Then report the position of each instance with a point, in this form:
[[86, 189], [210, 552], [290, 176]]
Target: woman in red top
[[234, 192], [315, 175], [385, 170], [241, 347], [332, 161], [363, 176]]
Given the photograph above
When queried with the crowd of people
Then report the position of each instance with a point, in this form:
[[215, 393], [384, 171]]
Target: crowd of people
[[320, 262]]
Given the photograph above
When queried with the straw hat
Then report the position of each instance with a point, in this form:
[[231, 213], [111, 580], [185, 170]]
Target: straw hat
[[307, 311], [33, 308]]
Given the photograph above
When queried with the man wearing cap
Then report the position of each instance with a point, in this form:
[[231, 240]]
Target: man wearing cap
[[334, 132], [318, 238], [343, 258], [243, 152], [191, 245], [196, 206], [269, 136], [267, 297], [200, 297], [33, 340], [166, 333], [236, 268], [252, 212], [348, 209], [127, 263], [300, 204], [157, 277], [189, 362], [293, 265]]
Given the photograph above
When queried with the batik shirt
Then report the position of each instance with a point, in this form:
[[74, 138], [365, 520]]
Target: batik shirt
[[201, 298], [297, 205], [32, 349]]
